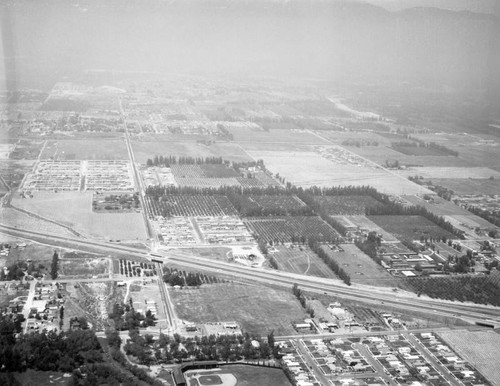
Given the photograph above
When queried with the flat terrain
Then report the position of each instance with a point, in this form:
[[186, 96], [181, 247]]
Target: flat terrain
[[346, 205], [480, 348], [310, 168], [360, 267], [464, 186], [167, 145], [365, 224], [433, 172], [257, 310], [88, 149], [410, 227], [303, 262], [248, 375], [75, 211], [14, 218]]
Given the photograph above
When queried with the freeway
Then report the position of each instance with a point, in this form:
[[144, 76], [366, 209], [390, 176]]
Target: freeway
[[356, 293]]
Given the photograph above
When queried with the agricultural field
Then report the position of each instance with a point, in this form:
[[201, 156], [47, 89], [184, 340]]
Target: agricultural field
[[263, 205], [365, 225], [307, 168], [346, 205], [257, 309], [283, 229], [184, 205], [285, 203], [203, 171], [206, 182], [478, 348], [360, 267], [410, 227], [301, 260], [441, 172], [74, 210], [167, 144], [88, 149], [469, 186], [419, 151], [257, 136]]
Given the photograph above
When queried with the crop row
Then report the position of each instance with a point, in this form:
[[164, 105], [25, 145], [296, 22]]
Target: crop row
[[289, 229], [180, 205]]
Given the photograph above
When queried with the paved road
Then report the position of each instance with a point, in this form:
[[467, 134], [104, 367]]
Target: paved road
[[379, 369], [357, 293]]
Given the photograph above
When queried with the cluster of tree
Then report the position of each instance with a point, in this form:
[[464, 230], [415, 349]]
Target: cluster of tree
[[317, 248], [125, 317], [477, 289], [229, 348], [184, 160], [359, 143], [441, 191], [54, 266], [370, 246], [411, 245], [182, 278], [297, 292], [273, 263]]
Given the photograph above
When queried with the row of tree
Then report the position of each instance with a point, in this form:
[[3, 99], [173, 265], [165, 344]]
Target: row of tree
[[317, 248], [184, 160]]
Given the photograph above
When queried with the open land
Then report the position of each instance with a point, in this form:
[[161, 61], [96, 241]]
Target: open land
[[410, 227], [301, 260], [74, 209], [360, 267], [472, 186], [257, 310], [248, 375], [89, 149]]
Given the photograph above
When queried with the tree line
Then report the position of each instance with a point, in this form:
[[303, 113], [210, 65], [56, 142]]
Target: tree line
[[317, 248]]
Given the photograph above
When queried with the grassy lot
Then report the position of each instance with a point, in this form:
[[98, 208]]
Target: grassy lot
[[88, 149], [420, 151], [84, 268], [74, 209], [302, 261], [360, 267], [257, 309], [410, 227], [463, 186]]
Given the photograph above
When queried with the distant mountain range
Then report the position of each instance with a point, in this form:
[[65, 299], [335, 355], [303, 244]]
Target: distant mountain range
[[480, 6]]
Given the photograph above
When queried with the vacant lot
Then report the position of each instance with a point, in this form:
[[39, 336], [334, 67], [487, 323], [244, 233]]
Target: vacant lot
[[302, 261], [75, 211], [479, 348], [346, 205], [257, 310], [84, 268], [310, 168], [410, 227], [88, 149], [360, 267], [464, 186]]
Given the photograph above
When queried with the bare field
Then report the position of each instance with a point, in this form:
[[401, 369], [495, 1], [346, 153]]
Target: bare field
[[84, 268], [303, 262], [256, 309], [75, 210], [480, 348], [12, 217], [410, 227], [88, 149], [310, 168], [360, 267]]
